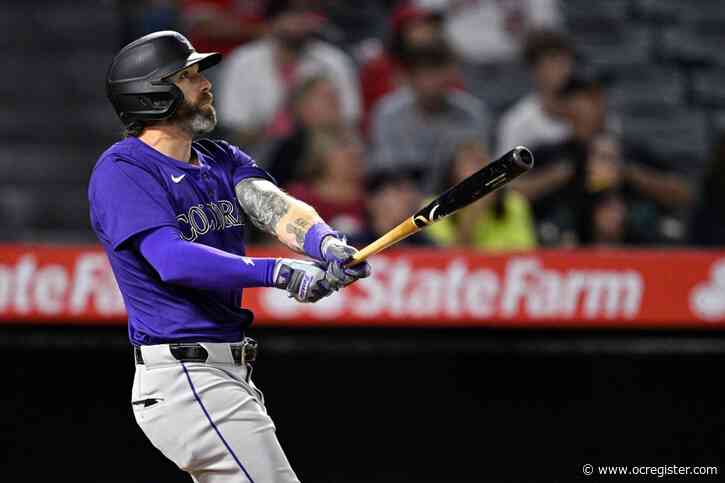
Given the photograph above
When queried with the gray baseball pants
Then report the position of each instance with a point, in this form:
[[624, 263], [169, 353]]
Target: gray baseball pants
[[208, 418]]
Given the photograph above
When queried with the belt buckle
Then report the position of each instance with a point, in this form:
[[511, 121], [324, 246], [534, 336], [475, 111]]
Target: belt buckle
[[249, 350]]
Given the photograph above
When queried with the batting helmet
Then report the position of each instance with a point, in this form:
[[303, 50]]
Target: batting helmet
[[137, 81]]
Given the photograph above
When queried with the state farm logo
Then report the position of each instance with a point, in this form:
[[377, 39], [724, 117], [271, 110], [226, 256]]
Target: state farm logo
[[82, 286], [460, 290], [707, 300]]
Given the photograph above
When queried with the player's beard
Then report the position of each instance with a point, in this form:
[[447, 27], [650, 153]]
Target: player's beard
[[197, 118]]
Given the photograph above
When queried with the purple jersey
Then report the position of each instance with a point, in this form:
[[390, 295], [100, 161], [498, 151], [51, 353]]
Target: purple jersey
[[135, 188]]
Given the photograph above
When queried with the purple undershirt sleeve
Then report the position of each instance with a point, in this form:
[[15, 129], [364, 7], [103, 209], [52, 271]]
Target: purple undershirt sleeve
[[313, 239], [200, 266]]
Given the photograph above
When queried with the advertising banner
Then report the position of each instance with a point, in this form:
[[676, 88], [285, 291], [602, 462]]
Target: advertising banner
[[545, 288]]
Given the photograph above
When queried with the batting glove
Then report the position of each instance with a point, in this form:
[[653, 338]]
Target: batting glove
[[337, 253], [305, 281]]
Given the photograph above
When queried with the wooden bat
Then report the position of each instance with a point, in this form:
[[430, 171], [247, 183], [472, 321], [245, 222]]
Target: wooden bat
[[493, 176]]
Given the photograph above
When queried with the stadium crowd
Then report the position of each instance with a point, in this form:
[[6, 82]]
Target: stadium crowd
[[366, 109]]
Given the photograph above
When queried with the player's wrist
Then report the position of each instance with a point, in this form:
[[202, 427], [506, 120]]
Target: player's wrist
[[315, 237]]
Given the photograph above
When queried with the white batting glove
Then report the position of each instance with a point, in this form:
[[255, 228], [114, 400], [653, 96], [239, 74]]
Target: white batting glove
[[305, 281]]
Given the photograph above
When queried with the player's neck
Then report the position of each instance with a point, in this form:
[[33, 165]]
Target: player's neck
[[168, 140]]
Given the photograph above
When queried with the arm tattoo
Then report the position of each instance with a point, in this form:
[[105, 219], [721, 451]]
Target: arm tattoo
[[264, 206], [299, 228]]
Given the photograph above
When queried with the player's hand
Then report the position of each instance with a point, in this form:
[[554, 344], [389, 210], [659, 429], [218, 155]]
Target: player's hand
[[337, 253], [305, 281]]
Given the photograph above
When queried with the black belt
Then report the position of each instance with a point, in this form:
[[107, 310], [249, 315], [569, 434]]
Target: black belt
[[242, 353]]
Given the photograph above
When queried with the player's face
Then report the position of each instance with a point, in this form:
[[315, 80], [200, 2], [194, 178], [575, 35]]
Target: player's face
[[196, 113]]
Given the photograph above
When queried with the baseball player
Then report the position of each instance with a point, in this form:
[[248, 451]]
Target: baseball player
[[171, 212]]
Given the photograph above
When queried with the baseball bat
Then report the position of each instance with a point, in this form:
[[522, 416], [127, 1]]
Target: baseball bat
[[491, 177]]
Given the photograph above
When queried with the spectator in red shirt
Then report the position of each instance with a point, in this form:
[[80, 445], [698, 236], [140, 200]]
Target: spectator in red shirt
[[335, 167], [221, 25], [411, 26]]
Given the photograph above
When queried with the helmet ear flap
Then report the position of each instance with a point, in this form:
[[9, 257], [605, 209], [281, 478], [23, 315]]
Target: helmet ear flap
[[165, 103], [154, 102]]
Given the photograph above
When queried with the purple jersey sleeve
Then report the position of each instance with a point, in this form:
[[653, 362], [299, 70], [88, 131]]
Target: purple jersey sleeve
[[127, 200], [243, 166], [195, 265]]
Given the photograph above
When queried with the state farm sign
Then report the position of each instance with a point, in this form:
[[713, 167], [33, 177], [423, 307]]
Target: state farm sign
[[543, 288], [414, 288], [461, 290], [54, 283]]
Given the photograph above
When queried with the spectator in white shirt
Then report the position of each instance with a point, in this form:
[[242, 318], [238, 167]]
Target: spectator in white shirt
[[257, 77], [418, 126], [537, 118], [486, 31]]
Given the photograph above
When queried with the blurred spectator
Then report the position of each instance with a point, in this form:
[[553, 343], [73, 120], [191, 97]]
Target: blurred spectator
[[334, 182], [411, 26], [257, 77], [500, 221], [392, 195], [314, 104], [354, 24], [570, 173], [419, 125], [708, 228], [485, 31], [609, 219], [538, 118], [222, 25]]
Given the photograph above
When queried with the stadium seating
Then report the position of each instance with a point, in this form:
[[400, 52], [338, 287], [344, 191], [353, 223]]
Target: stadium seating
[[690, 45], [56, 121], [607, 11], [678, 12], [613, 45], [677, 135], [665, 55], [708, 87], [647, 85]]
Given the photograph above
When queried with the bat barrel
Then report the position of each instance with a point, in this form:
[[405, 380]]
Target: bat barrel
[[523, 157]]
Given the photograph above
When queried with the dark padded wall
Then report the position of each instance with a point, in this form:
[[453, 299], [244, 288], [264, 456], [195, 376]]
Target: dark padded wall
[[424, 416]]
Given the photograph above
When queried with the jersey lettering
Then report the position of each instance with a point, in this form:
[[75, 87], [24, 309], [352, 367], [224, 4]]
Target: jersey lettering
[[202, 218]]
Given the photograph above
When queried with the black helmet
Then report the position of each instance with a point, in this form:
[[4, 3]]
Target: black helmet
[[136, 83]]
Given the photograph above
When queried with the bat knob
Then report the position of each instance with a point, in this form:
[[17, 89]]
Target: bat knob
[[523, 157]]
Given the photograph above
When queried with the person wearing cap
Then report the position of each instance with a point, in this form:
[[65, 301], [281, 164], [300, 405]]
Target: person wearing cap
[[222, 25], [257, 77], [420, 124], [410, 26]]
